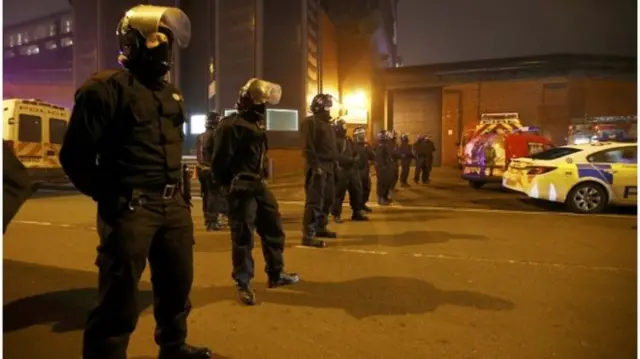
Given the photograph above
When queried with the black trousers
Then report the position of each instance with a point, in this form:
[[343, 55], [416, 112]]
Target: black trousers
[[319, 197], [348, 180], [395, 174], [365, 179], [405, 164], [385, 180], [132, 229], [249, 211], [210, 196], [423, 169]]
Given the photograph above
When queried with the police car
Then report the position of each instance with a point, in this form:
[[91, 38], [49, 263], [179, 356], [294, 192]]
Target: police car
[[586, 177]]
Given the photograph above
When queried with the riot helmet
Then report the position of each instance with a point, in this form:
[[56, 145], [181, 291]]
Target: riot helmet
[[421, 138], [146, 35], [321, 104], [383, 136], [360, 134], [213, 118], [254, 96], [404, 137], [340, 126]]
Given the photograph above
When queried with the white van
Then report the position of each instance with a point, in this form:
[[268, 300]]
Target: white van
[[35, 130]]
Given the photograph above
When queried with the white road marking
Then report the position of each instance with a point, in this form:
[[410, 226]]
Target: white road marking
[[415, 255]]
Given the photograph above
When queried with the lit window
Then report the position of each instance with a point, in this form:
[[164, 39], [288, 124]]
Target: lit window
[[19, 39], [9, 54], [198, 124], [282, 120], [12, 40], [30, 50], [228, 112], [51, 45], [40, 32], [67, 25], [52, 29], [66, 42], [25, 37]]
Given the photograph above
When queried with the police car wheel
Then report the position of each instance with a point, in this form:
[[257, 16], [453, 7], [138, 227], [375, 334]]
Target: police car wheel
[[476, 184], [587, 198]]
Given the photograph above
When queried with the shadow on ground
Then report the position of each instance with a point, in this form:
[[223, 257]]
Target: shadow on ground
[[409, 238], [45, 307]]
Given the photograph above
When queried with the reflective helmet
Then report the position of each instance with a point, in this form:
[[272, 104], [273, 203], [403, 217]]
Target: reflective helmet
[[146, 35], [360, 134], [340, 126], [321, 103], [421, 138], [213, 118], [256, 94], [383, 136], [404, 137]]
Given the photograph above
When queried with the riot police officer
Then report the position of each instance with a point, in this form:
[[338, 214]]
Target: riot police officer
[[347, 175], [320, 155], [395, 158], [239, 158], [16, 185], [211, 196], [406, 155], [423, 149], [385, 167], [123, 148], [365, 156]]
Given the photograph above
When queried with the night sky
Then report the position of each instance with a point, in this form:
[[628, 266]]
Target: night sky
[[436, 31]]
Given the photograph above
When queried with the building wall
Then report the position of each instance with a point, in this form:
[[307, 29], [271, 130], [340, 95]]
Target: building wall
[[329, 57]]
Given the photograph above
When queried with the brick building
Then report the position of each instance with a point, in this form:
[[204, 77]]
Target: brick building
[[546, 91]]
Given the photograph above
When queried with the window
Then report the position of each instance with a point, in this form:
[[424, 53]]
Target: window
[[41, 32], [66, 42], [535, 147], [26, 37], [9, 54], [554, 153], [228, 112], [51, 45], [282, 120], [30, 50], [19, 39], [52, 29], [29, 128], [57, 129], [66, 24], [198, 124], [627, 154]]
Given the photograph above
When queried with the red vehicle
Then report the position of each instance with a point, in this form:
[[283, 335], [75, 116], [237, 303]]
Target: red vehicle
[[486, 157]]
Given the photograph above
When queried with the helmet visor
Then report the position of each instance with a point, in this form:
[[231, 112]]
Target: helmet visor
[[263, 92], [148, 21]]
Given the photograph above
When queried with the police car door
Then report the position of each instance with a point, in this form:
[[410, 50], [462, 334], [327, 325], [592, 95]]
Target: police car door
[[619, 166]]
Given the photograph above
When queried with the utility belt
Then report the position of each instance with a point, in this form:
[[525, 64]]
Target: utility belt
[[167, 191], [247, 182]]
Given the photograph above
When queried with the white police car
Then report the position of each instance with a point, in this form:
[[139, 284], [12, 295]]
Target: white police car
[[586, 177]]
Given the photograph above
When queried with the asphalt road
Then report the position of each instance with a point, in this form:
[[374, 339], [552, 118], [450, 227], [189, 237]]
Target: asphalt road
[[448, 272]]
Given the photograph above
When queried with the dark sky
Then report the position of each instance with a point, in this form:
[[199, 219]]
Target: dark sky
[[19, 11], [438, 31]]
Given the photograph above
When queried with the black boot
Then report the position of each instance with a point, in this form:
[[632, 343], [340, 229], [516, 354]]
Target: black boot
[[310, 241], [325, 233], [367, 209], [337, 219], [282, 279], [246, 295], [383, 201], [358, 216], [185, 351]]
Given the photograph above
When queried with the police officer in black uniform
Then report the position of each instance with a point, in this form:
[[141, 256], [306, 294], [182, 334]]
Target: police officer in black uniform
[[395, 156], [320, 155], [239, 163], [123, 148], [348, 176], [424, 150], [211, 192], [366, 156], [385, 167], [16, 185], [406, 155]]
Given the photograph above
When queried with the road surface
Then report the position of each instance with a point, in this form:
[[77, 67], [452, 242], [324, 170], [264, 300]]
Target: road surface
[[449, 272]]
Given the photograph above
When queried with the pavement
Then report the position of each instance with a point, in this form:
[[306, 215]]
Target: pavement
[[447, 272]]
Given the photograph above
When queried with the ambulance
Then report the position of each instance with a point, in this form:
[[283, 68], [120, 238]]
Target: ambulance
[[34, 130]]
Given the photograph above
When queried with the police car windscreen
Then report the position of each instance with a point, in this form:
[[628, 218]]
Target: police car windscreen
[[29, 128], [554, 153], [57, 129]]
